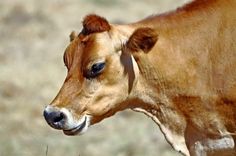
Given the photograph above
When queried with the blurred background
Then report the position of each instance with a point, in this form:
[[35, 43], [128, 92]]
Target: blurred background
[[33, 36]]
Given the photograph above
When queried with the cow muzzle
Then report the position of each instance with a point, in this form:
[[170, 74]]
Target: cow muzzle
[[63, 119]]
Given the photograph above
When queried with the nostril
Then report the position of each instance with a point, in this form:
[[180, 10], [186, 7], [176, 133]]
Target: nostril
[[54, 118], [58, 117]]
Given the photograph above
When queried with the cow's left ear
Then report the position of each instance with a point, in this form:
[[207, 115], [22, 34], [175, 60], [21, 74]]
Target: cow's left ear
[[142, 39]]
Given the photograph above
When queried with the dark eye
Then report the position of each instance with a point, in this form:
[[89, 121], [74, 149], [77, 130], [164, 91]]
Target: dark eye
[[95, 70]]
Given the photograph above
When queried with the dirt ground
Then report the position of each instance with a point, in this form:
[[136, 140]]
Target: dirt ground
[[34, 34]]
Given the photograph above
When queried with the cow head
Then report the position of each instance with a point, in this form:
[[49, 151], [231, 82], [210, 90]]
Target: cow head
[[101, 76]]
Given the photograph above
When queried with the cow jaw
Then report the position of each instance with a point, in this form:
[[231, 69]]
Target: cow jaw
[[85, 101]]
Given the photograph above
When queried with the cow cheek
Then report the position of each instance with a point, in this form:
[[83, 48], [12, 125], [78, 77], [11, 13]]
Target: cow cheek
[[100, 105], [108, 105]]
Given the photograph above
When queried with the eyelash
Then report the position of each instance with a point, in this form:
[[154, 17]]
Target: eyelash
[[95, 70]]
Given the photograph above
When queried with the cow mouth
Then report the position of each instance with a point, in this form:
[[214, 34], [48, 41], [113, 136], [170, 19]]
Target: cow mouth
[[81, 128]]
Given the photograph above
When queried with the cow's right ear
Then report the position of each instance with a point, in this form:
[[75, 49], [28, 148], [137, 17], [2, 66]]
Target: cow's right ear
[[73, 35], [143, 39]]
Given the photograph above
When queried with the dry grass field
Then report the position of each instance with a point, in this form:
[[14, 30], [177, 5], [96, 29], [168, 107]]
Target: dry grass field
[[33, 36]]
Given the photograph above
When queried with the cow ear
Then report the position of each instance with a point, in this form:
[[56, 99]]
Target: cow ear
[[142, 39], [93, 23], [73, 35]]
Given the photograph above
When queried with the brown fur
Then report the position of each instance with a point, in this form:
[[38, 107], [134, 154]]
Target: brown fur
[[73, 35], [93, 24], [142, 39], [178, 68]]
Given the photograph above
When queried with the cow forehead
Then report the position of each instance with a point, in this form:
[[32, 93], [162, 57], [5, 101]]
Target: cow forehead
[[89, 48], [103, 41], [99, 45]]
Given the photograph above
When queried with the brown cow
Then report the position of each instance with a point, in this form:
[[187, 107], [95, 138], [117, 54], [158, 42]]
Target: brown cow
[[178, 68]]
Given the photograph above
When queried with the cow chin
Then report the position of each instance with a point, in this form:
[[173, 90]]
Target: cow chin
[[63, 119], [78, 127]]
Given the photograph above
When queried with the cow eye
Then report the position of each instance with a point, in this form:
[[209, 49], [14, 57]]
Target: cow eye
[[95, 70]]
